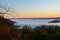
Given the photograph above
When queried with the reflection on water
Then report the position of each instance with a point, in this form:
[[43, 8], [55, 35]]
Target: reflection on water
[[34, 22]]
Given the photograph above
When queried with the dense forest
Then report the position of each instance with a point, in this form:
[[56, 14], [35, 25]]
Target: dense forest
[[9, 31]]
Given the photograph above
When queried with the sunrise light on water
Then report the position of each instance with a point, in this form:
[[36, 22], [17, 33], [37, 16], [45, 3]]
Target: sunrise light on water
[[29, 19]]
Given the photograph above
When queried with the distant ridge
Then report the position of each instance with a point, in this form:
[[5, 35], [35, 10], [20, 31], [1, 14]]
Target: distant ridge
[[35, 18]]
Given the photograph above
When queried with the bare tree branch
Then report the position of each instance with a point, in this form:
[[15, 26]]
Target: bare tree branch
[[8, 10]]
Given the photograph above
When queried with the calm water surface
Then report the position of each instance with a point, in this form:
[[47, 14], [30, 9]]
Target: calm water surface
[[34, 22]]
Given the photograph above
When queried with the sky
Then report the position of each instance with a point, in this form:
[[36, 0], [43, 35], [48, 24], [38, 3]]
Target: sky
[[34, 8]]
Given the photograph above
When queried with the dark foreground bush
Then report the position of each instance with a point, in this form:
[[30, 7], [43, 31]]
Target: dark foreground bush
[[43, 32]]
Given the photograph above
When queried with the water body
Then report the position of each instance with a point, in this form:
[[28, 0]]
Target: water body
[[33, 22]]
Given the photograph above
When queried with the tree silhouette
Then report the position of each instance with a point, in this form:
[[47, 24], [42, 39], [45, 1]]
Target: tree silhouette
[[5, 10]]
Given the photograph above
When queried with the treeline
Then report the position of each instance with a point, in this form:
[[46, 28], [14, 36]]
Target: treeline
[[43, 32]]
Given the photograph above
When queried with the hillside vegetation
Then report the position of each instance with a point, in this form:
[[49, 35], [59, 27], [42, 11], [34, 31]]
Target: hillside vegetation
[[10, 32]]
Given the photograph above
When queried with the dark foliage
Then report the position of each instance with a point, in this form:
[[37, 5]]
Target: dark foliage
[[43, 32]]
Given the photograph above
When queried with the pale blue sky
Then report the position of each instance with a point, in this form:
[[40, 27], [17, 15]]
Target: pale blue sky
[[37, 7]]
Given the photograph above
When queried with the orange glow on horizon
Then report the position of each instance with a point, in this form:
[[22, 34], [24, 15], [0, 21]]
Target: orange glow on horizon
[[49, 14], [34, 8], [35, 16]]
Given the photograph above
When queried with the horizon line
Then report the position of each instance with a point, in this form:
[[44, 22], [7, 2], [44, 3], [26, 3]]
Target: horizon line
[[43, 18]]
